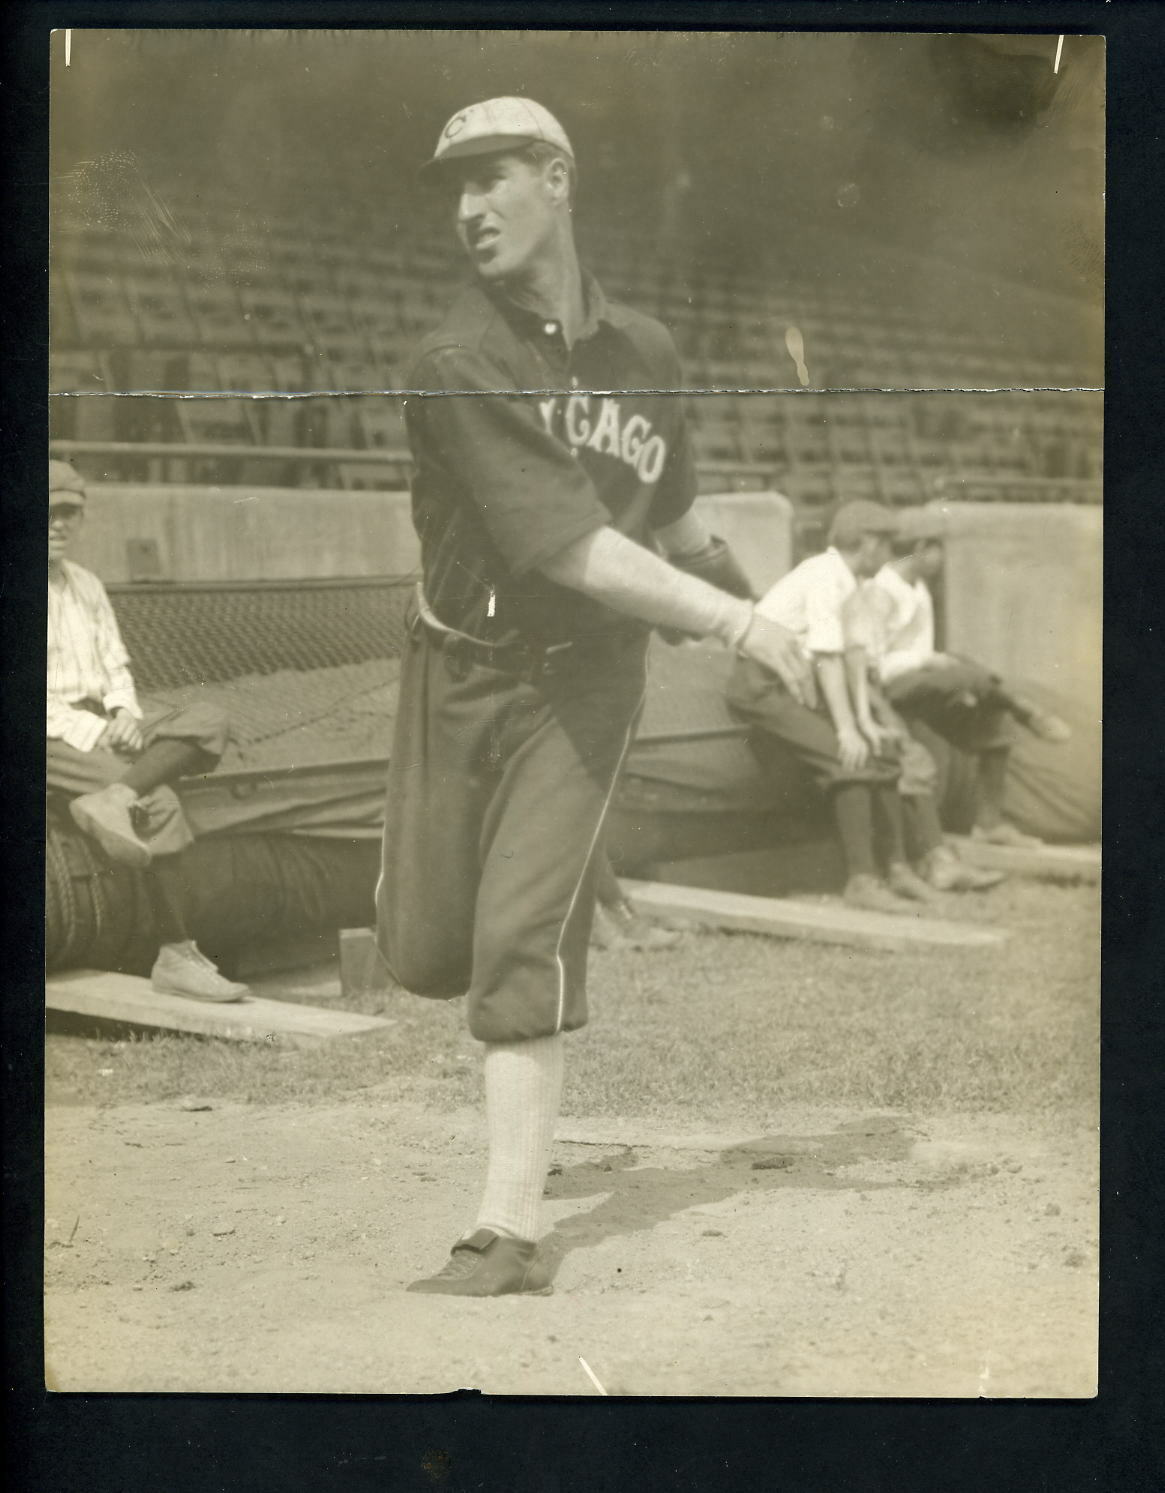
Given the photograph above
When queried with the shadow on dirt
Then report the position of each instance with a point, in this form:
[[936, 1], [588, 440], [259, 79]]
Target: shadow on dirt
[[640, 1197]]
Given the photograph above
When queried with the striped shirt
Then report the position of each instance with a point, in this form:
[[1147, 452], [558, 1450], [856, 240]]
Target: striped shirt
[[86, 658]]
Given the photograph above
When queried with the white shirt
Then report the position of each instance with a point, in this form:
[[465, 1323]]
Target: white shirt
[[86, 658], [899, 623], [809, 601]]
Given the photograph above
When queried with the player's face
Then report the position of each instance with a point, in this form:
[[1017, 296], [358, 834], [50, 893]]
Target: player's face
[[505, 214], [873, 554], [64, 521]]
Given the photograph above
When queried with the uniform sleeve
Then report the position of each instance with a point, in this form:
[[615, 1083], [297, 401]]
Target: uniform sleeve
[[677, 486], [824, 602], [532, 496], [120, 693]]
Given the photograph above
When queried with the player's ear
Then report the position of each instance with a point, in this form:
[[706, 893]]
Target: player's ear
[[557, 179]]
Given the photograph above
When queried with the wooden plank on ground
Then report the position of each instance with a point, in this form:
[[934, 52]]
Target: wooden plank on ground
[[785, 918], [131, 1000], [1054, 862]]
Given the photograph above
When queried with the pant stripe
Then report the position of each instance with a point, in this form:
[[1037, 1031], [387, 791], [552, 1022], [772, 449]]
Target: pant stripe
[[627, 739]]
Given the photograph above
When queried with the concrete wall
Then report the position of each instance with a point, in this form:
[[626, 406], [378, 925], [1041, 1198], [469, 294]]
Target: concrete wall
[[1023, 583], [249, 533], [1024, 591]]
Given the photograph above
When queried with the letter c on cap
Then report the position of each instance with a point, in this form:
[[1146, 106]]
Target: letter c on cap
[[455, 126]]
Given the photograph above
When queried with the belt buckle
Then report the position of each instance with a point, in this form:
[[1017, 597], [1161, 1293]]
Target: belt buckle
[[547, 660]]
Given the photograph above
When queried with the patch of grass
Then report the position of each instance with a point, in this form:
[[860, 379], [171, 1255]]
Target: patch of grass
[[722, 1028]]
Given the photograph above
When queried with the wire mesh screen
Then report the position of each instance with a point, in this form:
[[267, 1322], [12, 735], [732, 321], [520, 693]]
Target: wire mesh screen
[[208, 634]]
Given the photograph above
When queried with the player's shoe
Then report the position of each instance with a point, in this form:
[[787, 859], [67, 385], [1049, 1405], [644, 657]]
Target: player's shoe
[[183, 969], [904, 882], [868, 893], [619, 926], [489, 1264], [1005, 834], [945, 872], [105, 817], [1043, 723]]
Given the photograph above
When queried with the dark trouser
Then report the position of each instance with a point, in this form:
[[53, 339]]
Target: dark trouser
[[962, 701], [969, 707], [497, 793], [862, 800]]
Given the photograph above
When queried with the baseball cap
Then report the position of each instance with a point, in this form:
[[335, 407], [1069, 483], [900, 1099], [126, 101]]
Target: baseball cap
[[862, 516], [915, 525], [498, 124], [64, 478]]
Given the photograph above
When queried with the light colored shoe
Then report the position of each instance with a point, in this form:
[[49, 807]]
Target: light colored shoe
[[621, 927], [1044, 724], [904, 882], [945, 872], [183, 969], [1007, 835], [105, 816], [868, 893]]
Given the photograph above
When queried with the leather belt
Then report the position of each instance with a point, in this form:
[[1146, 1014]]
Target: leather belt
[[526, 661]]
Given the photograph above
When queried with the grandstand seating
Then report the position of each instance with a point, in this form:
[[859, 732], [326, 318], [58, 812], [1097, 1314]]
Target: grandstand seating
[[247, 307]]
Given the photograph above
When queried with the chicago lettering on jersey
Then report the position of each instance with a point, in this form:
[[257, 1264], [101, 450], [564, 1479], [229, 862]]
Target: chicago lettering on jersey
[[608, 431]]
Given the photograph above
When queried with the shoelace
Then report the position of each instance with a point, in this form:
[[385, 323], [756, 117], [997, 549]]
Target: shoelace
[[461, 1262]]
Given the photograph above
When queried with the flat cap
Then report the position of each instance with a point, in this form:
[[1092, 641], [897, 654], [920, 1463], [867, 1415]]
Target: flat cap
[[64, 478], [916, 525], [498, 124], [852, 520]]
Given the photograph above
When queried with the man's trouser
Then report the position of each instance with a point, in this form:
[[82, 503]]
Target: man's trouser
[[162, 823]]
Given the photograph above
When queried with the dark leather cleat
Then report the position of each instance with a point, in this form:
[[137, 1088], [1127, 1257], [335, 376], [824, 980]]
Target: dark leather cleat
[[489, 1264]]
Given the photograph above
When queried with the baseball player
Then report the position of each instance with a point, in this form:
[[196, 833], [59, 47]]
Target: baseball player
[[858, 772], [961, 700], [112, 762], [547, 466]]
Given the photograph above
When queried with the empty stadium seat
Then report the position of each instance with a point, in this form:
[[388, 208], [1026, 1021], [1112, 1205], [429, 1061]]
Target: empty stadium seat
[[381, 423]]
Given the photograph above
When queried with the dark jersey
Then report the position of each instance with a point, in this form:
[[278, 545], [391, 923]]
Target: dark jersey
[[503, 480]]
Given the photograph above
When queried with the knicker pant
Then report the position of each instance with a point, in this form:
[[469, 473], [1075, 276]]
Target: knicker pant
[[497, 793]]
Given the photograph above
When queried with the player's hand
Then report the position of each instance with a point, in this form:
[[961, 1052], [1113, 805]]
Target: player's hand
[[884, 741], [853, 749], [774, 646], [123, 732]]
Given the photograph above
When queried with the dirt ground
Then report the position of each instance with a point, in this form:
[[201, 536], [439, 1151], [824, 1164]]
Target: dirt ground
[[247, 1248]]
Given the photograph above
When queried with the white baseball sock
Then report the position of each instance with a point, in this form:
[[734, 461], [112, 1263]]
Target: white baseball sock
[[523, 1090]]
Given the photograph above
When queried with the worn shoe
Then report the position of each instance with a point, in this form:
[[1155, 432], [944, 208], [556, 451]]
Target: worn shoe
[[903, 882], [945, 872], [183, 969], [489, 1264], [1007, 835], [621, 927], [1044, 724], [868, 893], [105, 817]]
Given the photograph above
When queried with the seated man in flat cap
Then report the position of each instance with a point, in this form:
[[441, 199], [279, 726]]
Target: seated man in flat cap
[[114, 763], [853, 762], [960, 699]]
